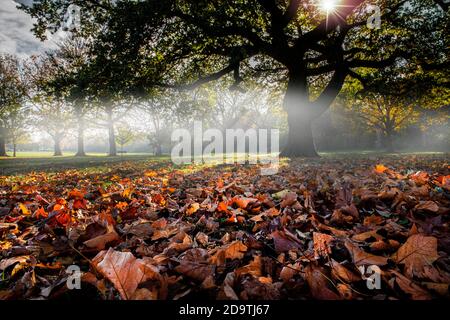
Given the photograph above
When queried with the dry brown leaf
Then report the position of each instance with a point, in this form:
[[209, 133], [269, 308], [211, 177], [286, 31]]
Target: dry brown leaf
[[430, 206], [319, 283], [418, 252], [194, 264], [124, 271], [100, 242], [254, 268], [234, 250], [285, 241], [409, 287], [360, 257], [342, 273]]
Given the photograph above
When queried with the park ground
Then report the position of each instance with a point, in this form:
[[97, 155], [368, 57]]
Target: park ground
[[27, 162], [139, 227]]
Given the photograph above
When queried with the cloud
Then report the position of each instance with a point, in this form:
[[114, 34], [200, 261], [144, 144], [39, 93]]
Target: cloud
[[15, 31]]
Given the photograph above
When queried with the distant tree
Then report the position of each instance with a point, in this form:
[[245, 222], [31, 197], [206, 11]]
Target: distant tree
[[124, 136], [12, 98], [16, 123], [51, 112], [386, 114], [67, 60], [53, 117]]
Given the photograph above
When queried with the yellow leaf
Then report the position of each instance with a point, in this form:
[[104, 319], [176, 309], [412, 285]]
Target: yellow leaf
[[24, 209]]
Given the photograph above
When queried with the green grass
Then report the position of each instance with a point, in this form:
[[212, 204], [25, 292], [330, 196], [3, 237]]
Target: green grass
[[42, 161], [49, 154]]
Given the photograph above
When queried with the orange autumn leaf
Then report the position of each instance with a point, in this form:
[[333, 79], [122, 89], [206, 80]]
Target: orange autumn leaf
[[127, 193], [420, 177], [222, 207], [322, 243], [121, 205], [243, 202], [79, 204], [192, 208], [159, 199], [76, 194], [150, 174], [379, 168], [63, 218], [40, 213]]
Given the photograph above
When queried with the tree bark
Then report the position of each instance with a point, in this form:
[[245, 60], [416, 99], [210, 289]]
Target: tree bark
[[157, 150], [80, 138], [301, 114], [3, 142], [14, 150], [112, 136], [58, 151], [389, 144]]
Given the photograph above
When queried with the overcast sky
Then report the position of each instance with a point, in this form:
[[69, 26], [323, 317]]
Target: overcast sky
[[15, 34]]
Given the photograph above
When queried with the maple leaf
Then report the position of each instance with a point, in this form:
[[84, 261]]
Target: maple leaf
[[418, 252], [124, 271]]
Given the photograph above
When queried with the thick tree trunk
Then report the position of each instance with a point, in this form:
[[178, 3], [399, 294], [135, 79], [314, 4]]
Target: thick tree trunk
[[14, 150], [301, 114], [112, 136], [80, 138], [300, 139], [3, 147], [3, 142], [58, 151], [157, 150], [389, 143]]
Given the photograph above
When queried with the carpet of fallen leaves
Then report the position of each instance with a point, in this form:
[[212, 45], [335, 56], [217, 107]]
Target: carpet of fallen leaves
[[139, 231]]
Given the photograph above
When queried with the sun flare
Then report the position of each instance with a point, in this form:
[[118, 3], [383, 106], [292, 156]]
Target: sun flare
[[328, 5]]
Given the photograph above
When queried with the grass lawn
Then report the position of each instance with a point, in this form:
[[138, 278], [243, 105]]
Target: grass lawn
[[44, 161]]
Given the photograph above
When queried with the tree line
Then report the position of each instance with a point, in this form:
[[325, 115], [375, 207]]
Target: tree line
[[131, 52]]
